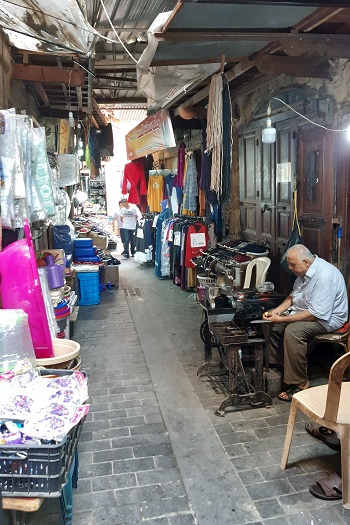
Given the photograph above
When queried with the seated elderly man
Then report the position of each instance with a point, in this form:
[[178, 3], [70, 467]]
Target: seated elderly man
[[317, 304]]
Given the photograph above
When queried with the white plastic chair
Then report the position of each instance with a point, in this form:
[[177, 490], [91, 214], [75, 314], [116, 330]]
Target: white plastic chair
[[328, 406], [262, 264]]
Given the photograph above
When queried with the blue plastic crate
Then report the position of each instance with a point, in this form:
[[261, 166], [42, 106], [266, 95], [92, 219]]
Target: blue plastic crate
[[89, 290], [82, 243], [89, 251]]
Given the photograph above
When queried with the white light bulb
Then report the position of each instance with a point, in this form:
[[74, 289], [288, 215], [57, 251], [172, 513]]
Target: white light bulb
[[268, 135], [71, 119]]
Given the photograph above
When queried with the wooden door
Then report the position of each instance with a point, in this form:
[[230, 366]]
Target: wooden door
[[316, 190], [250, 181], [266, 192]]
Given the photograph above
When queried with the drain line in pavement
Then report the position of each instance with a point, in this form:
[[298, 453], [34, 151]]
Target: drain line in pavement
[[134, 293]]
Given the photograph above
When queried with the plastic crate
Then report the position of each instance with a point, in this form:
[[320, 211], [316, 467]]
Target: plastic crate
[[37, 470], [206, 280], [82, 243], [89, 290], [79, 253]]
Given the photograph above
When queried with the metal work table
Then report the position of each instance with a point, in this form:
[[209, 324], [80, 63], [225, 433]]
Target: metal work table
[[232, 338], [212, 315]]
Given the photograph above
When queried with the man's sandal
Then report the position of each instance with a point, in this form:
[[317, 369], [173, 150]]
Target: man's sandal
[[327, 436], [288, 393], [328, 488]]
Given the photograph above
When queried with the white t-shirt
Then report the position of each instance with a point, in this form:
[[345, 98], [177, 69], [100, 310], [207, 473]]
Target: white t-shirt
[[130, 216], [116, 216]]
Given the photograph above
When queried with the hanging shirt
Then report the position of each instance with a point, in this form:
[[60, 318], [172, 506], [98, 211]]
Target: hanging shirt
[[197, 239], [135, 174], [179, 180], [191, 186], [155, 193]]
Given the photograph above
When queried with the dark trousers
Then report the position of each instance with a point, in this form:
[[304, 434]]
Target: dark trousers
[[289, 348], [129, 241], [122, 234]]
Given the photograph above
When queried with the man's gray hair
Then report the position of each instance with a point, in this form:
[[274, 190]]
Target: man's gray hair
[[301, 252]]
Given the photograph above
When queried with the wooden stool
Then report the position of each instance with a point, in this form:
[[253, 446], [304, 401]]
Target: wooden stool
[[21, 505]]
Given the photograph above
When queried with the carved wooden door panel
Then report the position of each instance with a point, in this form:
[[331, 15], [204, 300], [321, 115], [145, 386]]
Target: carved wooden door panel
[[316, 190], [250, 178]]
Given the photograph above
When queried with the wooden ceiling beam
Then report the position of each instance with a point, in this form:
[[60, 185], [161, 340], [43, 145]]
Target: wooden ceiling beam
[[96, 108], [311, 22], [60, 113], [295, 67], [233, 73], [42, 93], [94, 122], [252, 86], [48, 74], [316, 48], [79, 97]]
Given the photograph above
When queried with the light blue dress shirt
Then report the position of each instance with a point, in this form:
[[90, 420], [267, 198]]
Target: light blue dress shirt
[[322, 292]]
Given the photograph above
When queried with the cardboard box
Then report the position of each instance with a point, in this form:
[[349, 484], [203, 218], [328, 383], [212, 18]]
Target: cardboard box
[[111, 275], [100, 241], [58, 255]]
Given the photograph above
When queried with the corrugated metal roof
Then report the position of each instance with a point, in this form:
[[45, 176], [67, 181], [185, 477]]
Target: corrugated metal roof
[[130, 115]]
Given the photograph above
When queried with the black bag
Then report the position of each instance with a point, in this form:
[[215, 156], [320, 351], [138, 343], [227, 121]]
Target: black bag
[[295, 236]]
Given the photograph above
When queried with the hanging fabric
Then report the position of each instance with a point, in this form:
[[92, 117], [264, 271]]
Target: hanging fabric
[[155, 192], [134, 173], [191, 185], [179, 180], [214, 130], [226, 141], [219, 136]]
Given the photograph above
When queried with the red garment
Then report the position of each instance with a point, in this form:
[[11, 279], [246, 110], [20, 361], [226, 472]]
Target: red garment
[[135, 174], [193, 246]]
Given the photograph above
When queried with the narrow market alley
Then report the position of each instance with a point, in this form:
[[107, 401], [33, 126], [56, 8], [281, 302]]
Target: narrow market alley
[[152, 450]]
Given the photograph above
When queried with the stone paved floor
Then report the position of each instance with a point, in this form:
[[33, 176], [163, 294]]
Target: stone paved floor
[[152, 450]]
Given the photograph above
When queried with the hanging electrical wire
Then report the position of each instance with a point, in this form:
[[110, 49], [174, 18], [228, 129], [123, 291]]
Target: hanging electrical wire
[[306, 118], [115, 32]]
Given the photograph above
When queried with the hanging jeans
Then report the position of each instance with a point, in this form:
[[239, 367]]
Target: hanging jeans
[[129, 242]]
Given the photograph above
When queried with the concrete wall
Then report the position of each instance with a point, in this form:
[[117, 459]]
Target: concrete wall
[[13, 92], [338, 88]]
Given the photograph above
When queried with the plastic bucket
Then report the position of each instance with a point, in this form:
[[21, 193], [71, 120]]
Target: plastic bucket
[[66, 352]]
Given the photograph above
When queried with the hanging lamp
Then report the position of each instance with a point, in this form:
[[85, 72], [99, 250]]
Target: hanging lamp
[[268, 135]]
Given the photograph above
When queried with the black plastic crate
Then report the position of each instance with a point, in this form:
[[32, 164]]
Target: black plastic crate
[[38, 470]]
